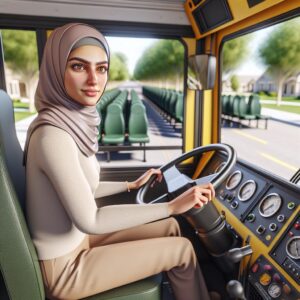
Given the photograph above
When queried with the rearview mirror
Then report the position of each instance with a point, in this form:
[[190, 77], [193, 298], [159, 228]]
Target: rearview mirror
[[201, 72]]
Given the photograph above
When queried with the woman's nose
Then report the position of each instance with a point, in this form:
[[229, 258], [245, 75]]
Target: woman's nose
[[92, 76]]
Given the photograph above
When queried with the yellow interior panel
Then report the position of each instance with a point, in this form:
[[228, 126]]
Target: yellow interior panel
[[239, 10]]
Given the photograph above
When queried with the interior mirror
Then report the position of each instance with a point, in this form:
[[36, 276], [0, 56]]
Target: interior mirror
[[201, 72]]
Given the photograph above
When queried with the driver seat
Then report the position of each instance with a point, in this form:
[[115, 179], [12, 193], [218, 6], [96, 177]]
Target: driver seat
[[20, 277]]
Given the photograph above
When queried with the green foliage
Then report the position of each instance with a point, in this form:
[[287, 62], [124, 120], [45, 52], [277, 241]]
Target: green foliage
[[20, 51], [234, 52], [118, 69], [165, 58], [281, 51], [235, 84]]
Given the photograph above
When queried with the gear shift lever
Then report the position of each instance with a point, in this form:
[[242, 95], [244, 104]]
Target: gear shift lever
[[236, 254], [235, 290]]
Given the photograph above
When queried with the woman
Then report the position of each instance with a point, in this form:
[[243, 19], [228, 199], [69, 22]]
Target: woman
[[84, 250]]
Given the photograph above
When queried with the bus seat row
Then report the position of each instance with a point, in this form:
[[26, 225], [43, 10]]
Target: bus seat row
[[125, 121], [102, 105], [239, 108], [169, 102]]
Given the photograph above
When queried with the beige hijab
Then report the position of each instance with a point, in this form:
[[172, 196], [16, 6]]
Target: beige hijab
[[55, 107]]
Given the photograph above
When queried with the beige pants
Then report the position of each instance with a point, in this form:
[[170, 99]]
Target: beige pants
[[103, 262]]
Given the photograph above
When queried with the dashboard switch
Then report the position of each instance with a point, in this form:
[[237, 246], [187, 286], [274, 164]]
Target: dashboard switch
[[260, 229], [290, 234], [291, 205], [273, 227], [268, 267], [286, 289], [297, 226], [255, 268], [277, 278], [280, 218]]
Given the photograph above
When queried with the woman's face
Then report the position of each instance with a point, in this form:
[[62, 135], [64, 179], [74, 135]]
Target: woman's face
[[86, 74]]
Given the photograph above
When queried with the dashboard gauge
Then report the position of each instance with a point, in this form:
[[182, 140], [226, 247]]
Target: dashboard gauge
[[220, 167], [293, 247], [274, 290], [234, 180], [270, 205], [247, 190]]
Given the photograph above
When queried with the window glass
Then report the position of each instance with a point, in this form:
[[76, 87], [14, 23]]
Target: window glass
[[261, 97]]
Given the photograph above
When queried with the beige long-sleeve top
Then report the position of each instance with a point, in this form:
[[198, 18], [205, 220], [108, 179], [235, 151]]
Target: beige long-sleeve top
[[62, 185]]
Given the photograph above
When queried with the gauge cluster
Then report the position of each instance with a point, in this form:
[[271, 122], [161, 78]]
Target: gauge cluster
[[269, 282], [286, 252], [261, 204], [271, 212]]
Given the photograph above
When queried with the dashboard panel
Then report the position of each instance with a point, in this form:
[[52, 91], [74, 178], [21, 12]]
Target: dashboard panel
[[264, 210]]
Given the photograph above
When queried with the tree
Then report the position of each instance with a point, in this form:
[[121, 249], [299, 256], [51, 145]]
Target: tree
[[234, 52], [118, 69], [20, 54], [281, 53], [235, 84], [163, 61]]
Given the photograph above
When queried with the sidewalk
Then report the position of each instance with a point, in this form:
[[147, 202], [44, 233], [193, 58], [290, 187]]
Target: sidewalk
[[282, 116], [21, 128]]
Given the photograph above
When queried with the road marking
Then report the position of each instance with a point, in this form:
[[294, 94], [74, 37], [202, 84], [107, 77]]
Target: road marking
[[250, 137], [278, 161]]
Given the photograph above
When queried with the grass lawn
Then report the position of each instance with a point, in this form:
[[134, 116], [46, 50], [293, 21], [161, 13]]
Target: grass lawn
[[287, 108], [289, 99], [20, 104], [19, 115]]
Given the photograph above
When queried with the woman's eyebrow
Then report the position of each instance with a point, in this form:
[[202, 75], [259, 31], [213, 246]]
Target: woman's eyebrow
[[87, 62]]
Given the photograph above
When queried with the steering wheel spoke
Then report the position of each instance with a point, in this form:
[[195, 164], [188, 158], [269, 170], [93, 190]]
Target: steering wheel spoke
[[175, 179], [161, 199], [206, 179]]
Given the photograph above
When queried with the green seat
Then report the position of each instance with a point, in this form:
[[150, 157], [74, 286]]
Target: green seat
[[114, 126], [21, 277], [255, 109], [138, 126], [244, 113]]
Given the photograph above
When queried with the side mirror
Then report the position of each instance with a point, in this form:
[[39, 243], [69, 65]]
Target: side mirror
[[201, 72]]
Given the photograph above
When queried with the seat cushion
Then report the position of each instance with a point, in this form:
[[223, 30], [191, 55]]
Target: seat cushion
[[146, 289]]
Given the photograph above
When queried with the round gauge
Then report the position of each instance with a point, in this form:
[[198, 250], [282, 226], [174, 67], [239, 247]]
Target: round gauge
[[233, 180], [247, 190], [293, 247], [270, 205], [274, 290], [220, 167]]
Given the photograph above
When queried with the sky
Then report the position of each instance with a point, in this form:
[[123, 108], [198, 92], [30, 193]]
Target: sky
[[253, 66], [133, 48]]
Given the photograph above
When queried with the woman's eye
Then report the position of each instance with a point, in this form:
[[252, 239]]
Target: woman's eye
[[102, 69], [77, 67]]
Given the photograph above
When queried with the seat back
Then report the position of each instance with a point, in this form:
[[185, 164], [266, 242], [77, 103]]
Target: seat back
[[114, 121], [13, 154], [18, 260], [138, 122]]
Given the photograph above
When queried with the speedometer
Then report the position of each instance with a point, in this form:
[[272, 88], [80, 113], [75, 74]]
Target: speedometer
[[247, 190], [293, 247], [270, 205], [234, 180]]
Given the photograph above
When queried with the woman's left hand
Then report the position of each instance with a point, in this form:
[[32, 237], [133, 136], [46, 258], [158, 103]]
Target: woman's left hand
[[145, 177]]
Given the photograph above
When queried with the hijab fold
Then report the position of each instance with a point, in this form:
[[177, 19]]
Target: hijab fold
[[55, 107]]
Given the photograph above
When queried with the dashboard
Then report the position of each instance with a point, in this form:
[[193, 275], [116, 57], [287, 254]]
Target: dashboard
[[264, 211]]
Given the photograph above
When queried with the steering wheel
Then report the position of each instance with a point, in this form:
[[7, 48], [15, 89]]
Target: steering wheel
[[205, 218]]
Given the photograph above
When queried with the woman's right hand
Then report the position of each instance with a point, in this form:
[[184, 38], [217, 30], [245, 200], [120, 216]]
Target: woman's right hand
[[196, 196]]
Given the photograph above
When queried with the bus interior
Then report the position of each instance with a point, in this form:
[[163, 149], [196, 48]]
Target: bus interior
[[247, 239]]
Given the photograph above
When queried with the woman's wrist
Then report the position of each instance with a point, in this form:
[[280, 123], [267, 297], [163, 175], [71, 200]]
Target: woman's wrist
[[131, 185]]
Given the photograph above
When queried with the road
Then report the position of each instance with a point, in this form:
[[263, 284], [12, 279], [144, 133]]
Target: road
[[275, 149]]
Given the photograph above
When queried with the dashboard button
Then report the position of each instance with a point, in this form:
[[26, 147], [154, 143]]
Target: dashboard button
[[260, 229], [265, 279], [297, 226], [280, 218], [273, 227], [255, 268]]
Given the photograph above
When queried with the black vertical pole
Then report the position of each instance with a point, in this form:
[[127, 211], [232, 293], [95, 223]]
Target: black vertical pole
[[2, 71]]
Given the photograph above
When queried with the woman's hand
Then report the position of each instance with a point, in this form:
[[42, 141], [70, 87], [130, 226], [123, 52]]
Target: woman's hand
[[144, 178], [196, 196]]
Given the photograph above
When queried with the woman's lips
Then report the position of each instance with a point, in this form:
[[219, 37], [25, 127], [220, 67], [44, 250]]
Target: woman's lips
[[91, 93]]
